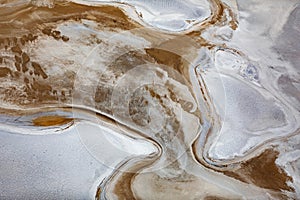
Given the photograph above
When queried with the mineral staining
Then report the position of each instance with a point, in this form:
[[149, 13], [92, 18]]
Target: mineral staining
[[51, 120], [149, 100]]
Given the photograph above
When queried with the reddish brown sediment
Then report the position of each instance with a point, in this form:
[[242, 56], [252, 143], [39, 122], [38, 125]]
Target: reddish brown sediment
[[233, 22], [98, 193], [217, 15], [38, 70], [260, 170], [122, 187], [176, 53], [55, 34], [18, 59], [39, 21], [16, 49], [4, 71], [51, 120], [65, 38], [25, 58], [107, 16], [217, 18], [263, 171], [167, 58]]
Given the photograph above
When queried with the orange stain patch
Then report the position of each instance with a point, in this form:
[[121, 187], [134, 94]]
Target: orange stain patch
[[53, 120]]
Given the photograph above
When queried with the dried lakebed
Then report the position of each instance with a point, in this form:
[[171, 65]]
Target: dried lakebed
[[149, 99]]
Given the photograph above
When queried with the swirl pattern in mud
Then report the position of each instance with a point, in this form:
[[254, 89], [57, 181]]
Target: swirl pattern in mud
[[149, 99]]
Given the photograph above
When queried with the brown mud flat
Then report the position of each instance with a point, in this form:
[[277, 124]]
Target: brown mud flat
[[263, 172]]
